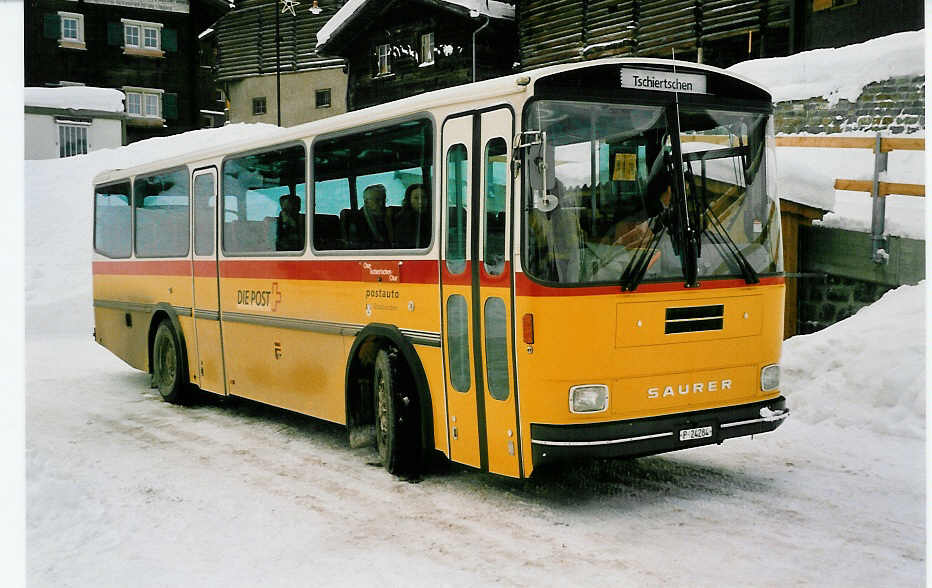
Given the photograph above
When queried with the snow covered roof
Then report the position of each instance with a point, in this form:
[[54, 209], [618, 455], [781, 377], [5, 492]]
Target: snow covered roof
[[473, 8], [75, 98], [838, 73]]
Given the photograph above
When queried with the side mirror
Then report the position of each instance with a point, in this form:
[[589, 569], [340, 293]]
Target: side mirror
[[541, 177]]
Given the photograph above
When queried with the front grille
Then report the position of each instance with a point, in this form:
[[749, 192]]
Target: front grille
[[692, 319]]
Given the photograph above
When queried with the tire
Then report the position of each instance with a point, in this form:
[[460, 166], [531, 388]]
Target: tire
[[397, 426], [167, 364]]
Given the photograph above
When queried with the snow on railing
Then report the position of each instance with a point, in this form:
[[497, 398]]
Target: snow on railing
[[881, 146]]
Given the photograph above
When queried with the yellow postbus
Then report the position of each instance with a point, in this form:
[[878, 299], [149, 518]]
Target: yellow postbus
[[582, 260]]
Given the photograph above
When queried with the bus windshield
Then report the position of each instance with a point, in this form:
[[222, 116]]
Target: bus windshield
[[606, 200]]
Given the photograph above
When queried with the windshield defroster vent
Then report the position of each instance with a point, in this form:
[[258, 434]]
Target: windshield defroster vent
[[692, 319]]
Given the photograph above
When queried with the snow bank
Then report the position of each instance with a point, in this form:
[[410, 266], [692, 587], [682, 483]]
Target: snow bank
[[838, 73], [490, 8], [77, 97], [866, 372]]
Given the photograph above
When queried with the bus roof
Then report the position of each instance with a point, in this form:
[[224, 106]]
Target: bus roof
[[487, 90]]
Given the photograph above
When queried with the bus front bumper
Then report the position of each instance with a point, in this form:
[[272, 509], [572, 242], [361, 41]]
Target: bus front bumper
[[648, 436]]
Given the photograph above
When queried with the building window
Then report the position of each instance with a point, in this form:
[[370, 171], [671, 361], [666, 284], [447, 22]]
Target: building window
[[258, 106], [72, 139], [150, 38], [71, 33], [322, 98], [818, 5], [131, 35], [426, 56], [385, 67], [134, 103], [152, 105], [144, 36], [144, 102]]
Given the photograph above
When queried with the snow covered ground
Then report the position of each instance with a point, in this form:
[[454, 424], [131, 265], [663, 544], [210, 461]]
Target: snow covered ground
[[124, 489]]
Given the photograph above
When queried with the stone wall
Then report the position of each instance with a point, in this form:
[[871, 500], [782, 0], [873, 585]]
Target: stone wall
[[825, 301], [894, 106]]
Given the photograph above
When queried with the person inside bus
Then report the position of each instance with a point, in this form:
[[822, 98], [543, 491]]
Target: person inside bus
[[367, 228], [632, 231], [411, 224], [289, 235]]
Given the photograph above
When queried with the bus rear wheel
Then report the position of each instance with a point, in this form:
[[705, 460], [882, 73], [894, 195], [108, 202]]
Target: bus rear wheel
[[166, 364], [397, 433]]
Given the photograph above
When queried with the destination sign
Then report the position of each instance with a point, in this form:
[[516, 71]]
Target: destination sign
[[665, 81]]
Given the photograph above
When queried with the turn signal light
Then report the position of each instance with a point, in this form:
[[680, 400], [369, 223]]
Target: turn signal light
[[528, 323]]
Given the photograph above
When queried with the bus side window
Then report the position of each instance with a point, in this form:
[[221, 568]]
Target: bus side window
[[162, 214], [113, 229], [265, 202], [370, 181]]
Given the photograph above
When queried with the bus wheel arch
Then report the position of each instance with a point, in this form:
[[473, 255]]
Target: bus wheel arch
[[386, 343], [164, 313]]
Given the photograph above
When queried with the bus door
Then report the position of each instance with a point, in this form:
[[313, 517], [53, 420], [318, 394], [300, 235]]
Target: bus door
[[207, 355], [476, 285]]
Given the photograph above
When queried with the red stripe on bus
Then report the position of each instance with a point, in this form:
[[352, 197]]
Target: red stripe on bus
[[413, 271], [419, 271], [524, 286], [205, 269]]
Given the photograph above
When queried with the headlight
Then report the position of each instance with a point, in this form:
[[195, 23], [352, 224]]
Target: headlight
[[588, 398], [770, 377]]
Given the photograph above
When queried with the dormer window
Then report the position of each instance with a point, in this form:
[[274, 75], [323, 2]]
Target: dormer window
[[426, 56], [385, 66]]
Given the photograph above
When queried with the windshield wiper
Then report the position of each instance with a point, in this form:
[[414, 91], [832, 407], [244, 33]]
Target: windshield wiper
[[634, 272], [715, 229]]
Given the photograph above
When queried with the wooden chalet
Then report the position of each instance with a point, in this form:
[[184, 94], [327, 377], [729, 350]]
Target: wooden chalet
[[400, 48], [256, 75], [716, 32], [146, 48]]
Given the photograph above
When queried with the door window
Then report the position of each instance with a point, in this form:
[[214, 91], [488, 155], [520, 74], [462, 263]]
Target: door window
[[496, 152], [496, 348], [204, 214], [457, 207], [458, 341]]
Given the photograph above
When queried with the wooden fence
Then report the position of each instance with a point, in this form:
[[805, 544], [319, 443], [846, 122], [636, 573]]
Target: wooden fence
[[887, 144]]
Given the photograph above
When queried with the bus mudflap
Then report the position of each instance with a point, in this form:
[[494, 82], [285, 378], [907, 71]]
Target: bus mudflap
[[649, 436]]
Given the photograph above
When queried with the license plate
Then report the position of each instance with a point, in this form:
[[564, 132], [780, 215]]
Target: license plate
[[697, 433]]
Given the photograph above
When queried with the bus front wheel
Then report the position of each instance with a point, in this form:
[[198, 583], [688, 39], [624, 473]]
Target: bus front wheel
[[396, 423], [166, 364]]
